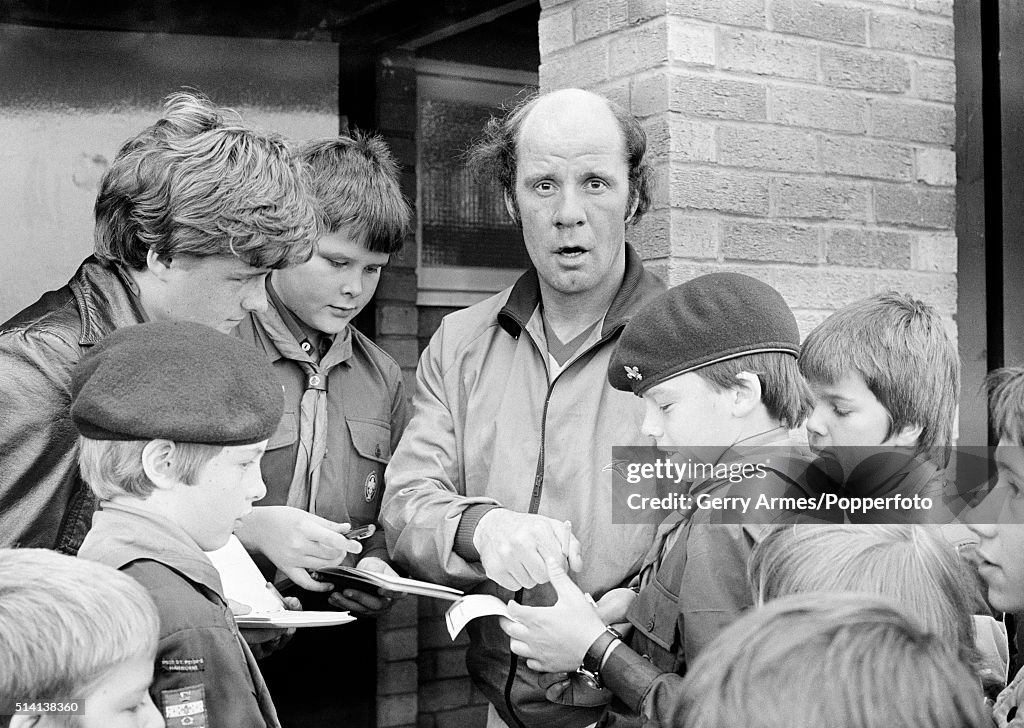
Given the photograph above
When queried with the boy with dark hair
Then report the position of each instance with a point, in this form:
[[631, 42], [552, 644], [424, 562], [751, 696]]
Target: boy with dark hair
[[885, 377], [173, 420], [714, 360], [345, 403], [76, 633]]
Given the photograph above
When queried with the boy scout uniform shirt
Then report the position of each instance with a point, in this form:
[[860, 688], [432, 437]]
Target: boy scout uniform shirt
[[205, 675], [699, 586], [366, 412]]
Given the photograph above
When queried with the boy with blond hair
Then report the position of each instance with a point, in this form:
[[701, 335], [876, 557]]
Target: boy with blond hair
[[79, 641], [173, 420]]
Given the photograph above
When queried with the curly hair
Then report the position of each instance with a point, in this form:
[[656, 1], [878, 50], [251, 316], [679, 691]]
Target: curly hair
[[192, 184]]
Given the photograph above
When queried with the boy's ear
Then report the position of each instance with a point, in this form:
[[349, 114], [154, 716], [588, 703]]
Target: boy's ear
[[746, 394], [158, 462], [158, 265], [908, 436]]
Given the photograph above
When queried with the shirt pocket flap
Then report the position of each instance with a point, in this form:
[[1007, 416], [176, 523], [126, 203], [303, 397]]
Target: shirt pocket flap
[[287, 432], [371, 439], [655, 613]]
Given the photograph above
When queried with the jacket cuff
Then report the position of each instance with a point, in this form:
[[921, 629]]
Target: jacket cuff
[[628, 675], [463, 546]]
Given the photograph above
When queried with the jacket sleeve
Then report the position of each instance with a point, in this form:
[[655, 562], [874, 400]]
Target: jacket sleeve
[[38, 442], [643, 687], [425, 497], [204, 669]]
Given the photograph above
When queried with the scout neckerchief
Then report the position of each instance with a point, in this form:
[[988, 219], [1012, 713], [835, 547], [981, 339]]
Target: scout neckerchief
[[670, 529], [294, 344]]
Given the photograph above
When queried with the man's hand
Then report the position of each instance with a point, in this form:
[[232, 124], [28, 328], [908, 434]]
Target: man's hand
[[554, 639], [296, 541], [363, 603], [514, 547]]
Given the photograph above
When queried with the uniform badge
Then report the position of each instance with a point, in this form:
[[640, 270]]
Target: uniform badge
[[184, 707], [370, 487], [633, 373]]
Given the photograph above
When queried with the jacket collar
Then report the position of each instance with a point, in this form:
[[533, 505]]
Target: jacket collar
[[131, 534], [106, 298], [638, 285]]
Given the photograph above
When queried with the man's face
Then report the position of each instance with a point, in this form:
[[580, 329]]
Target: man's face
[[120, 698], [225, 489], [687, 411], [328, 290], [1001, 544], [572, 190], [216, 290]]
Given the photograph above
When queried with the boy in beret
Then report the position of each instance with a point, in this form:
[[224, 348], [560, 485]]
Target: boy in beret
[[714, 360], [173, 420]]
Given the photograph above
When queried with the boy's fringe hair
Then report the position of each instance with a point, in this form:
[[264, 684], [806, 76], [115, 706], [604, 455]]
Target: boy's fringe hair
[[850, 660], [784, 392], [114, 467], [64, 623], [192, 184], [900, 347], [356, 183], [914, 567], [1006, 403], [496, 153]]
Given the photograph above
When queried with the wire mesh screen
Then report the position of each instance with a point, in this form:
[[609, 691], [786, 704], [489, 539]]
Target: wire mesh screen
[[464, 221]]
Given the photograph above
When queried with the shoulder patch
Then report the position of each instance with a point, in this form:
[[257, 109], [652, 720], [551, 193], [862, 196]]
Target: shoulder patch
[[184, 707]]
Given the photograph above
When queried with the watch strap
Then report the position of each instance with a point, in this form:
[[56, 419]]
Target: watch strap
[[595, 653]]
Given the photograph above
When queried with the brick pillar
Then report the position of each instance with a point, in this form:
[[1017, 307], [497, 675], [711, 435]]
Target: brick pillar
[[396, 325], [805, 142]]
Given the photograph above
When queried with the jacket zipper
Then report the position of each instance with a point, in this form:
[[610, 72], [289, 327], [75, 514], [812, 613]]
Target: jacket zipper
[[538, 487]]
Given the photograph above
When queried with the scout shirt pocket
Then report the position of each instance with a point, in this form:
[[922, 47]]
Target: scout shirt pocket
[[655, 615], [371, 440]]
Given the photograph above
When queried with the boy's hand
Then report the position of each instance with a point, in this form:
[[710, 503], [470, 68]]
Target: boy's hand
[[296, 541], [612, 608], [554, 639], [514, 547], [363, 603], [265, 642]]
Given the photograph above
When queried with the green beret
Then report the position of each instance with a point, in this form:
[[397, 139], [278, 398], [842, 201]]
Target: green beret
[[706, 320], [175, 380]]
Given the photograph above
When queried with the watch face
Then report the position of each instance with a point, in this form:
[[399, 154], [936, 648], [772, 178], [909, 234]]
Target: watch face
[[591, 679]]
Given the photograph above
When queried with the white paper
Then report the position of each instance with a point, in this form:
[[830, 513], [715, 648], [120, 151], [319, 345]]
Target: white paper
[[244, 583], [469, 608]]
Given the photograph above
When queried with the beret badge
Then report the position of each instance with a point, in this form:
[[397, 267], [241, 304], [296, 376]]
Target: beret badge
[[633, 373]]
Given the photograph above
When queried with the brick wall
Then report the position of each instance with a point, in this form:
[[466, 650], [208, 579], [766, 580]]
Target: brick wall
[[806, 142]]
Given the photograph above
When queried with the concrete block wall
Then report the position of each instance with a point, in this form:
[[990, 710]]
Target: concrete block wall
[[805, 142]]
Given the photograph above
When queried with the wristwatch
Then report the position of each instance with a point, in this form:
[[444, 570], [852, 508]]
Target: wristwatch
[[590, 670]]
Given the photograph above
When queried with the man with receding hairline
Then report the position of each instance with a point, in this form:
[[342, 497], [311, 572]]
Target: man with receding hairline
[[501, 468]]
